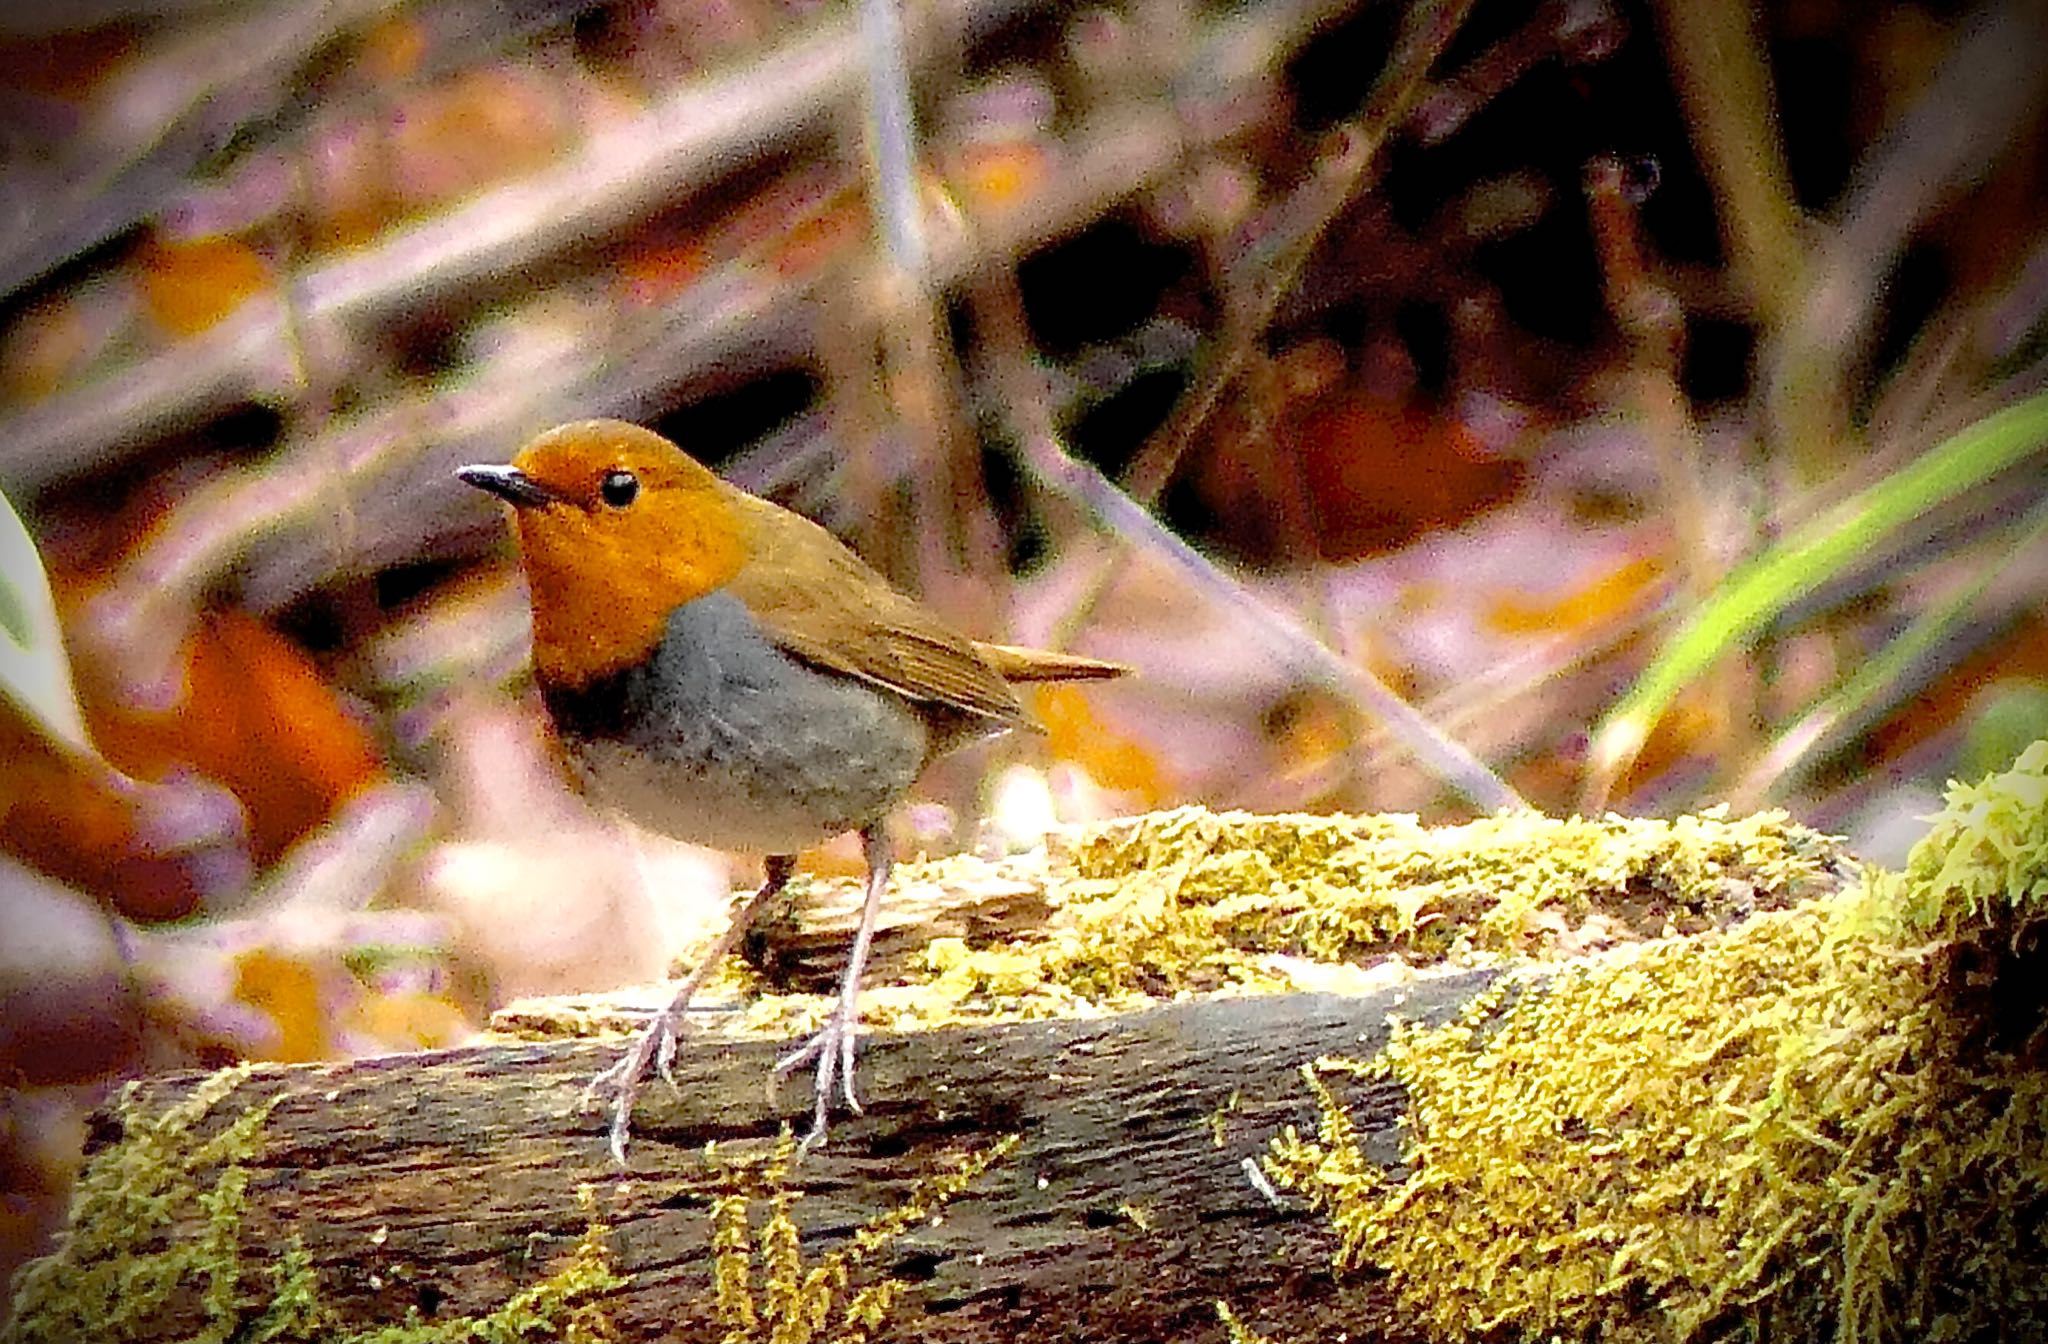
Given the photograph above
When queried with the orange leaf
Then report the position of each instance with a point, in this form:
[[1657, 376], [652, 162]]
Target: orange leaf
[[468, 132], [1110, 758], [257, 717], [657, 273], [1599, 600], [1003, 176], [67, 818], [1380, 473], [1693, 729], [393, 48], [191, 284], [412, 1020], [814, 239], [287, 991]]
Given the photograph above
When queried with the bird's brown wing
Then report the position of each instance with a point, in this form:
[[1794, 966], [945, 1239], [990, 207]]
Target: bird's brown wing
[[820, 601]]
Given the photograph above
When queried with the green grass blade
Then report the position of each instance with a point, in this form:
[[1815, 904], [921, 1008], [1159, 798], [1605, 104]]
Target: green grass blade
[[1759, 591], [1848, 705]]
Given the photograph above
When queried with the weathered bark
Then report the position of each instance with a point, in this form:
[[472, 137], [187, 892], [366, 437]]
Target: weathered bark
[[471, 1184], [448, 1182]]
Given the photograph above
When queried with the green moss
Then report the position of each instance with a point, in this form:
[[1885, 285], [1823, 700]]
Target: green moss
[[156, 1220], [765, 1295], [121, 1264], [1827, 1122], [1235, 1330], [1186, 901], [1343, 888], [1983, 867], [567, 1306]]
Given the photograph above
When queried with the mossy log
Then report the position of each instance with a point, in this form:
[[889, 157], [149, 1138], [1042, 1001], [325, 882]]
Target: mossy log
[[1093, 1173], [443, 1185], [1783, 1099]]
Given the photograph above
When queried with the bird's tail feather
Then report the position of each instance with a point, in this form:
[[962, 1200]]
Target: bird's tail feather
[[1015, 664]]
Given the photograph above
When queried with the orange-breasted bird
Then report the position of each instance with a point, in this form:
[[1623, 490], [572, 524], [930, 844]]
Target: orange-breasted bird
[[724, 671]]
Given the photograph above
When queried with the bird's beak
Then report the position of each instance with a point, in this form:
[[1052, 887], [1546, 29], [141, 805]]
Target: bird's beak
[[510, 484]]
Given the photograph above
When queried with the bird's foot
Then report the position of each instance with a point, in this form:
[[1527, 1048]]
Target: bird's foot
[[832, 1048], [654, 1049], [656, 1045]]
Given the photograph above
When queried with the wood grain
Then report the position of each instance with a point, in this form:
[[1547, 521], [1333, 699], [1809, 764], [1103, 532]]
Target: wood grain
[[447, 1182]]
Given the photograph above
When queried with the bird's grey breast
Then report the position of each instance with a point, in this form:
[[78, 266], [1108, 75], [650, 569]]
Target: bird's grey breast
[[722, 738]]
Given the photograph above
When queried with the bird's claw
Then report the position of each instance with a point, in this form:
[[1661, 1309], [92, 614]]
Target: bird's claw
[[656, 1046], [832, 1047], [665, 1052], [621, 1084]]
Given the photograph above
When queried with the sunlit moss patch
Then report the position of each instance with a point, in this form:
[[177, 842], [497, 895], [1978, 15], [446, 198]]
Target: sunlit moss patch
[[156, 1222], [765, 1293], [1825, 1122], [1192, 901]]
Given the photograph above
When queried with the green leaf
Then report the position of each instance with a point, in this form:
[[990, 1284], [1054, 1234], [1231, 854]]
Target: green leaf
[[35, 677]]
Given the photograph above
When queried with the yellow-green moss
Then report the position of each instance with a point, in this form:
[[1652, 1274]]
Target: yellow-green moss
[[764, 1293], [1984, 864], [120, 1266], [1827, 1122], [1235, 1330], [1189, 900], [159, 1214], [1342, 888]]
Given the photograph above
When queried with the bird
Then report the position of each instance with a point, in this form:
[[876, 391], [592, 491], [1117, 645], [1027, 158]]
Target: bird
[[724, 671]]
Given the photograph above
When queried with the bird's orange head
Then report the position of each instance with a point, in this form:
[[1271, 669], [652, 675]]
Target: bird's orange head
[[617, 528]]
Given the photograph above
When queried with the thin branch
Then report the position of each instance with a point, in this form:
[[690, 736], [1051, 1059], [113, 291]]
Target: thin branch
[[685, 141], [1732, 120], [1991, 82], [892, 141], [1572, 32], [1348, 168], [1649, 317], [1116, 513], [738, 316], [162, 119], [691, 137]]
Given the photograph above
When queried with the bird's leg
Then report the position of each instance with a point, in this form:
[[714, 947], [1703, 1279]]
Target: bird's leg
[[832, 1047], [656, 1044]]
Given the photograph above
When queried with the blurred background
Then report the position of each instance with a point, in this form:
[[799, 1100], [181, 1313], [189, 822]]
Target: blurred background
[[1592, 403]]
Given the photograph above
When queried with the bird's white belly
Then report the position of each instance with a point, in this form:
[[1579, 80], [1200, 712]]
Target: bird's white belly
[[723, 809], [722, 739]]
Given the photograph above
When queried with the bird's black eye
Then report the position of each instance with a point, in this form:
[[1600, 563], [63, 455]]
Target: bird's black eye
[[619, 488]]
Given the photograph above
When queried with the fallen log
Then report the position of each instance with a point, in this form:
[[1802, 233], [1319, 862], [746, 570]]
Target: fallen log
[[1094, 1173], [443, 1186]]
